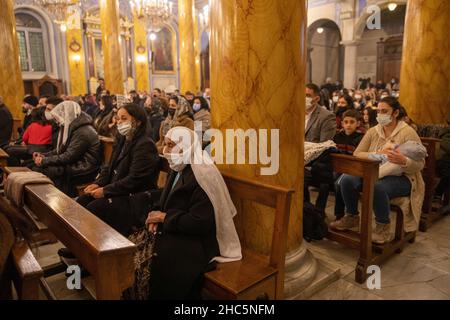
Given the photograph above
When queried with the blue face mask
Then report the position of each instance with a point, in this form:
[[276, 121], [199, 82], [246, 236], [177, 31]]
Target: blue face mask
[[196, 106]]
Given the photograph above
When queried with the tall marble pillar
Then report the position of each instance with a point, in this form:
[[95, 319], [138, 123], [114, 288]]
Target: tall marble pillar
[[187, 51], [75, 55], [425, 77], [109, 17], [197, 51], [141, 55], [258, 55], [351, 49], [11, 88]]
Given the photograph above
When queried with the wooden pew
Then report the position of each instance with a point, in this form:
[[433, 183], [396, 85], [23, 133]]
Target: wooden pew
[[107, 144], [27, 272], [3, 158], [430, 213], [370, 254], [106, 254], [256, 276]]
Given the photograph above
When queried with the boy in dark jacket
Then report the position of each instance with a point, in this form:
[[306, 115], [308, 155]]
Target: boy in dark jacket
[[346, 142]]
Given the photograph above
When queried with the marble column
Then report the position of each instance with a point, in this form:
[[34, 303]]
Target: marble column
[[197, 51], [141, 55], [109, 18], [351, 49], [258, 55], [425, 77], [11, 88], [187, 51]]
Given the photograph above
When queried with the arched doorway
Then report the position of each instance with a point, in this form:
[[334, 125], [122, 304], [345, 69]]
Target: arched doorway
[[379, 52], [325, 53], [204, 61]]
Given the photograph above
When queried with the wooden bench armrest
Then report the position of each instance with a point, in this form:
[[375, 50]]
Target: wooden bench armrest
[[25, 262]]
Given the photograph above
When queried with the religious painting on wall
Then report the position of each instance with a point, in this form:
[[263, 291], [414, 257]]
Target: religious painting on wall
[[98, 56], [164, 52]]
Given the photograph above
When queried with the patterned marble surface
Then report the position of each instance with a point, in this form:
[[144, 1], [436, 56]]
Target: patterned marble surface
[[11, 88], [257, 81], [426, 62], [421, 271], [109, 15], [77, 73], [142, 68], [187, 51]]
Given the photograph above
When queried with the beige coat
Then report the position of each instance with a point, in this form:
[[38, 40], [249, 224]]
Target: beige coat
[[373, 141]]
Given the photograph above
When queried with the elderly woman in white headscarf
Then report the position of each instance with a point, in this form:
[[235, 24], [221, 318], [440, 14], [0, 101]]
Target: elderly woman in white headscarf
[[77, 157], [180, 114], [192, 223]]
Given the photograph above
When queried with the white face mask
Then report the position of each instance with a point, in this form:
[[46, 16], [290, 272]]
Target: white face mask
[[48, 116], [196, 106], [384, 96], [175, 160], [309, 104], [124, 128], [358, 96], [335, 99], [384, 119]]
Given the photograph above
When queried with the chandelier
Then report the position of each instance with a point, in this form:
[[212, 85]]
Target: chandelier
[[58, 8], [153, 13]]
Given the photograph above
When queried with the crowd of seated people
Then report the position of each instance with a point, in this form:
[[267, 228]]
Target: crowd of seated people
[[60, 138]]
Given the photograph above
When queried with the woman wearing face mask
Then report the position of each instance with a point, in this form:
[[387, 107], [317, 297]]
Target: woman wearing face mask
[[133, 168], [180, 114], [380, 140], [192, 223], [202, 112], [103, 117], [76, 158]]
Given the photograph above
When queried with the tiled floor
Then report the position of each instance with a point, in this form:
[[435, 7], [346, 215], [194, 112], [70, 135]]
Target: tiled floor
[[421, 271]]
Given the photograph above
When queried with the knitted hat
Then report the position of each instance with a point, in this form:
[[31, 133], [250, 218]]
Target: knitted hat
[[31, 100]]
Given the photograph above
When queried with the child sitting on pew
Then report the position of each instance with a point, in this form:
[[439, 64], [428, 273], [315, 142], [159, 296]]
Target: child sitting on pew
[[346, 142]]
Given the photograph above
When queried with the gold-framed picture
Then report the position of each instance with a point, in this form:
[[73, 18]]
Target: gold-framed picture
[[164, 52]]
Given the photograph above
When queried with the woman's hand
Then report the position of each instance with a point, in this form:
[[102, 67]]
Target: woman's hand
[[396, 157], [97, 193], [153, 219], [91, 187]]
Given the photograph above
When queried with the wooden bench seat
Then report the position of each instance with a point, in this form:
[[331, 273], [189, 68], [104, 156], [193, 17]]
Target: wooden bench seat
[[105, 253], [256, 276], [26, 273], [370, 254]]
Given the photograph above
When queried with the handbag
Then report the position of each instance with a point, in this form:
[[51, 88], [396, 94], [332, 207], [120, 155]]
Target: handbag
[[144, 241]]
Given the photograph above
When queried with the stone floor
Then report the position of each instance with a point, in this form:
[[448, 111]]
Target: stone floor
[[421, 271]]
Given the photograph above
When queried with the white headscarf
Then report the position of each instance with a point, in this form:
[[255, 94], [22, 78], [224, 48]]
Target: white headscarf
[[65, 113], [211, 181]]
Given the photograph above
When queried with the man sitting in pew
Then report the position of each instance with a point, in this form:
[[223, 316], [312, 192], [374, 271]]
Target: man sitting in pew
[[133, 168], [192, 222], [389, 131], [77, 156]]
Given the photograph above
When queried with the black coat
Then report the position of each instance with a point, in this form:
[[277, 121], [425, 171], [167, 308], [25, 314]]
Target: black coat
[[186, 242], [6, 125], [133, 168], [82, 153]]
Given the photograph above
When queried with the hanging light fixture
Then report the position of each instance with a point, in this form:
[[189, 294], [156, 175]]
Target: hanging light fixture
[[154, 13], [320, 30], [392, 6], [58, 8], [203, 17]]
